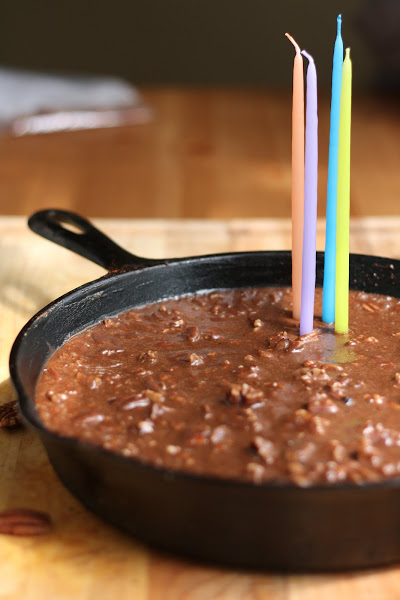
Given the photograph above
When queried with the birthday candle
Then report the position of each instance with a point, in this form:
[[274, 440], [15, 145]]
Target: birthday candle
[[328, 296], [297, 176], [343, 202], [310, 202]]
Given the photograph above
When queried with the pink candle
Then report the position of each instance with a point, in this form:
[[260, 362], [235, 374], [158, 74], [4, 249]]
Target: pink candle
[[310, 202]]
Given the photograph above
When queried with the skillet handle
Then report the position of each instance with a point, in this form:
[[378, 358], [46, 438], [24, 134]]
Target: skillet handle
[[76, 233]]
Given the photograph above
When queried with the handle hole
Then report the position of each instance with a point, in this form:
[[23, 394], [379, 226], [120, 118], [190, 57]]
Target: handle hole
[[73, 227]]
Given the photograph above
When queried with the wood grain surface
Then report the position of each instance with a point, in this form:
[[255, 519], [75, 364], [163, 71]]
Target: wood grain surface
[[83, 558], [207, 153]]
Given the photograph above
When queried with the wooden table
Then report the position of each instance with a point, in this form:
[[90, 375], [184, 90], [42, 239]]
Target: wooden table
[[83, 558], [207, 153]]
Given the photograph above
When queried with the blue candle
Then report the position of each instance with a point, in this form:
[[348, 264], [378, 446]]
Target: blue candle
[[328, 297]]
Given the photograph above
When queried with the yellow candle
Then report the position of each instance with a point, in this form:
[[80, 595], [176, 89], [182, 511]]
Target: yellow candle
[[297, 177], [343, 202]]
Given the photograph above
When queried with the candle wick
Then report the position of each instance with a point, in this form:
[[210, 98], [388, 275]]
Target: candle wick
[[347, 54], [339, 24], [295, 44], [308, 56]]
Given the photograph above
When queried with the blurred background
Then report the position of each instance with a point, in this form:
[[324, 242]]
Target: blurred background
[[221, 42], [216, 78]]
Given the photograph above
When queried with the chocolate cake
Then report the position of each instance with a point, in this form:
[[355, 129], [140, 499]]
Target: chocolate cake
[[220, 384]]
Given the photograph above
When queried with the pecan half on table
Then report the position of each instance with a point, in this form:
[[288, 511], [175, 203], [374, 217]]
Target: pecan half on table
[[24, 521], [9, 416]]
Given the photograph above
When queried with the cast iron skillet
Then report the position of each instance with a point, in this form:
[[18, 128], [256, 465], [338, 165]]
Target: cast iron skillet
[[274, 527]]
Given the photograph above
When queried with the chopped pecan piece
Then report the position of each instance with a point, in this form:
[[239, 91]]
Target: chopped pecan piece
[[296, 345], [367, 306], [339, 452], [244, 393], [221, 435], [146, 426], [150, 356], [320, 403], [265, 448], [173, 450], [192, 358], [256, 471], [335, 390], [153, 395], [89, 419], [193, 333], [313, 375], [199, 438], [195, 359], [257, 324], [298, 474], [302, 454], [376, 399], [318, 424], [280, 341]]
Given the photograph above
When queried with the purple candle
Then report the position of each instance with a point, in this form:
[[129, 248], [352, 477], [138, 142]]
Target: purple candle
[[310, 201]]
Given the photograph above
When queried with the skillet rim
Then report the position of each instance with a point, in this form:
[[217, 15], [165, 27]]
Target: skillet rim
[[29, 413]]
